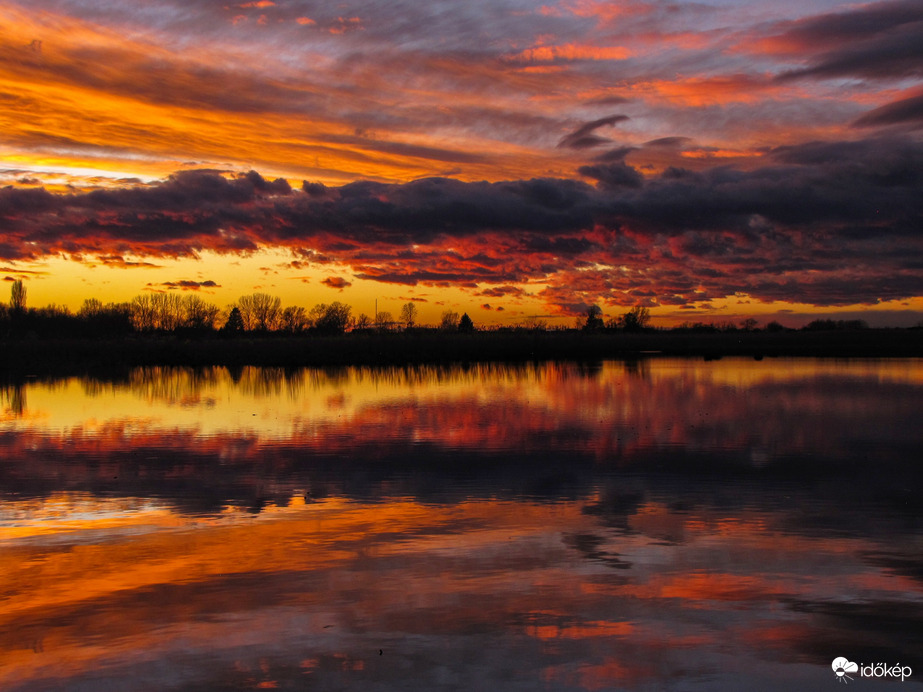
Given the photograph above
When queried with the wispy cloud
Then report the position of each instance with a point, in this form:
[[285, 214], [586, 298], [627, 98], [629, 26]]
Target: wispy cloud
[[625, 152]]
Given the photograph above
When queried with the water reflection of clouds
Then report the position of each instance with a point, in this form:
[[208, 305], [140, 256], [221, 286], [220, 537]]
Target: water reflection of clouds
[[482, 592], [552, 526]]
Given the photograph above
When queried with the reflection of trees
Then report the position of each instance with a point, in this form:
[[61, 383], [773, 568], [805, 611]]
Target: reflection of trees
[[590, 369], [157, 383], [323, 378], [14, 399], [449, 373], [262, 382], [638, 367], [611, 410], [172, 384]]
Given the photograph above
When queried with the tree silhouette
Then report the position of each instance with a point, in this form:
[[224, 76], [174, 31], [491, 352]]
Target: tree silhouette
[[294, 320], [143, 313], [111, 318], [92, 307], [384, 320], [594, 319], [534, 323], [408, 315], [635, 319], [157, 311], [449, 320], [197, 314], [331, 319], [18, 297], [235, 322], [465, 324], [259, 311]]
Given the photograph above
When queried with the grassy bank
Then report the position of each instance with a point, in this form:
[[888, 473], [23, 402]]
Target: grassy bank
[[69, 355]]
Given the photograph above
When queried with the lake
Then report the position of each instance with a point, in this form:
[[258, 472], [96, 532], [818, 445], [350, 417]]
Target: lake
[[658, 524]]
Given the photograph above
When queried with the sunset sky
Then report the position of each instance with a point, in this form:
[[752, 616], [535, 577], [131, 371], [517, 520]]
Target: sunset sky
[[508, 158]]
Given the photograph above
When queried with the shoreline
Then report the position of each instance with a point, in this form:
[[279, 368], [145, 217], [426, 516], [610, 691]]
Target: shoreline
[[40, 356]]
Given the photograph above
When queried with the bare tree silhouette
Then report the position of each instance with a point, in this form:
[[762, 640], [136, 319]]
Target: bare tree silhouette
[[18, 297], [449, 320], [635, 319], [408, 315], [384, 320], [198, 314], [331, 319], [259, 311], [294, 319]]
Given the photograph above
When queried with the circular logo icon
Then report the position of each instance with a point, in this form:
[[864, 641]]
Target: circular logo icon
[[841, 666]]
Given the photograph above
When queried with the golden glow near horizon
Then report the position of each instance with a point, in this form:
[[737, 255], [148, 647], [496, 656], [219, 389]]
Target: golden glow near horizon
[[68, 283], [720, 156]]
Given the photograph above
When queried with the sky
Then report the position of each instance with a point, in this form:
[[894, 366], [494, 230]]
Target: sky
[[511, 159]]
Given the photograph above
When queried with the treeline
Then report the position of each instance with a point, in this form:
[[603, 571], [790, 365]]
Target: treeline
[[257, 313], [263, 314], [637, 319]]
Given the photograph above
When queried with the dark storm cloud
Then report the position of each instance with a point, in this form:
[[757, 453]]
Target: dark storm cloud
[[502, 292], [907, 112], [337, 282], [413, 277], [617, 154], [190, 210], [668, 142], [826, 222], [584, 137], [613, 175], [419, 211], [122, 263], [895, 56], [314, 189], [874, 41], [608, 101], [855, 24], [186, 190], [820, 187], [188, 285]]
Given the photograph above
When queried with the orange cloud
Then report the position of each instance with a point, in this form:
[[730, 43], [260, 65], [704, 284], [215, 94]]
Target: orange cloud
[[571, 51], [707, 91], [342, 25], [607, 12]]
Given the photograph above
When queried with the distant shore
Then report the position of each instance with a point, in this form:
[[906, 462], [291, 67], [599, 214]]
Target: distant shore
[[43, 355]]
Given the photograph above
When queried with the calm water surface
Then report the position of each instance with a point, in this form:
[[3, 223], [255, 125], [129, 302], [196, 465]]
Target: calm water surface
[[659, 524]]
